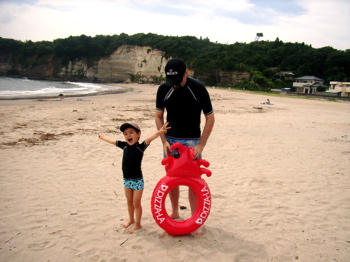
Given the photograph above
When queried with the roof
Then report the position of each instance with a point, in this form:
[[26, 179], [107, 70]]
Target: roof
[[282, 73], [314, 85], [339, 83], [309, 78], [319, 84]]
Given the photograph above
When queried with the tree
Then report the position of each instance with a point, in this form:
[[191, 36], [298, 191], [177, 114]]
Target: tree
[[204, 57]]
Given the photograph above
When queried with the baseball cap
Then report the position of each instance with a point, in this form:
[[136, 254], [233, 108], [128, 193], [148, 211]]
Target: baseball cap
[[174, 71], [132, 125]]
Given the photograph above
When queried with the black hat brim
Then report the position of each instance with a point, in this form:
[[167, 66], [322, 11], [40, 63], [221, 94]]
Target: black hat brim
[[173, 81]]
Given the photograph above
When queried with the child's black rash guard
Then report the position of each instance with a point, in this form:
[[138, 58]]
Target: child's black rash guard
[[132, 158]]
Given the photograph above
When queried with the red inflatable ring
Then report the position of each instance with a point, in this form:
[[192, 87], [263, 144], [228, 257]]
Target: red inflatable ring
[[182, 170]]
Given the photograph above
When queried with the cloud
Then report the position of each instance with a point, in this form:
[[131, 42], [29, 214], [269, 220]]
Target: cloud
[[316, 22], [321, 25], [266, 12]]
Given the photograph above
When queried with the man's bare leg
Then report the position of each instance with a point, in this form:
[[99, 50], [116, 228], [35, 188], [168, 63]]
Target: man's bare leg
[[194, 204], [174, 195]]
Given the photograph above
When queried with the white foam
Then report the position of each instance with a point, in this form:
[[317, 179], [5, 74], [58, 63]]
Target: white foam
[[11, 88]]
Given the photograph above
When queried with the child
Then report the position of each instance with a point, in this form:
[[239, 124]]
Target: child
[[131, 165]]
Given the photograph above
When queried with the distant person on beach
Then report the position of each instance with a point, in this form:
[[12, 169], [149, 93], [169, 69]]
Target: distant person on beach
[[131, 165], [61, 96], [267, 102], [184, 99]]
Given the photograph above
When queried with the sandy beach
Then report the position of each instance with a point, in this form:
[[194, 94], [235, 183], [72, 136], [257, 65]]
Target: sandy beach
[[280, 181]]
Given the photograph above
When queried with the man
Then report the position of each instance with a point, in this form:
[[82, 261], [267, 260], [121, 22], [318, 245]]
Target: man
[[183, 98]]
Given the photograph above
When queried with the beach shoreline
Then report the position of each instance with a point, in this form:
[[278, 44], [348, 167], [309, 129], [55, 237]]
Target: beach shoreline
[[19, 89], [280, 185]]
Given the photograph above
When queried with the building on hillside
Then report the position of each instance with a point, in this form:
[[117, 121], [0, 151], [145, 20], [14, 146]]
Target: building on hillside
[[284, 75], [340, 87], [308, 84]]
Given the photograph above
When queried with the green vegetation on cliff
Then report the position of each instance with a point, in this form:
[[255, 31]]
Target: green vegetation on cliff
[[262, 59]]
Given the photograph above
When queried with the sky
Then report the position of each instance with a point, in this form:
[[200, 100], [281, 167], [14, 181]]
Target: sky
[[317, 23]]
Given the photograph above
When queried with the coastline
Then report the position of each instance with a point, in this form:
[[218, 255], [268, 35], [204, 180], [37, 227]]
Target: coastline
[[19, 89], [280, 185], [121, 91]]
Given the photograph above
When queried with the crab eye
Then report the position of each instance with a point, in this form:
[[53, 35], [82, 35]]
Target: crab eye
[[177, 154]]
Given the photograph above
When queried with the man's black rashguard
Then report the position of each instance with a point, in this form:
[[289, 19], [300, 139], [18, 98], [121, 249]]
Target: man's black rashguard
[[184, 106]]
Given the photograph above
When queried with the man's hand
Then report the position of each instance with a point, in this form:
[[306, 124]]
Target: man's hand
[[198, 149], [167, 149]]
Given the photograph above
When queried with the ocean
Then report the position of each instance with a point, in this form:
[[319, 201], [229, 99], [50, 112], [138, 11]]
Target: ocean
[[23, 88]]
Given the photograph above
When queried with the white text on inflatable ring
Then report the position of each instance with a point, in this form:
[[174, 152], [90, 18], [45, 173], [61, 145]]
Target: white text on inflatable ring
[[158, 201], [206, 206]]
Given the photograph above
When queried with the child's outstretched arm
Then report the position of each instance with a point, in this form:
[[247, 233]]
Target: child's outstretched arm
[[162, 130], [107, 139]]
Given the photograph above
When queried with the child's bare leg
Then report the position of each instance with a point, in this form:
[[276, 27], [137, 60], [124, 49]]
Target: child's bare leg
[[194, 204], [174, 195], [129, 200], [138, 210]]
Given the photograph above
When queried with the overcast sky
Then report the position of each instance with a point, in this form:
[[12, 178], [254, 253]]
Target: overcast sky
[[316, 22]]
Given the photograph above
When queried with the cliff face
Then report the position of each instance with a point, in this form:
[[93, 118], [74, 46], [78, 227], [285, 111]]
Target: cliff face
[[128, 63], [231, 78]]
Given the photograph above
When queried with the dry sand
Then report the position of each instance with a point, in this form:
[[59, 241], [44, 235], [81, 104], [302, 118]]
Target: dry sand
[[280, 184]]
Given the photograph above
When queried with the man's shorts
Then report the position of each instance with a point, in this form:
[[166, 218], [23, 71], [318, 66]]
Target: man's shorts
[[186, 142], [137, 184]]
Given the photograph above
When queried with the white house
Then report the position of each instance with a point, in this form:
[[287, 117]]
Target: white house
[[308, 84], [343, 87]]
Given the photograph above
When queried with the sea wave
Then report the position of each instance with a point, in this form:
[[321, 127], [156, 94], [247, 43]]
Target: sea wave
[[14, 88]]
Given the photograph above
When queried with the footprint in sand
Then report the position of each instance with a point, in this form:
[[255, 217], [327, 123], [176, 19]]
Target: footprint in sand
[[41, 245]]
